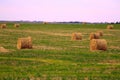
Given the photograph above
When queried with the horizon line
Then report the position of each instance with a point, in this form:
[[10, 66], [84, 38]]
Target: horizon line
[[60, 21]]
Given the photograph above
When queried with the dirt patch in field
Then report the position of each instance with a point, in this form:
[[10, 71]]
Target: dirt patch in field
[[114, 30], [47, 48], [57, 34], [3, 35], [117, 40], [110, 62], [108, 34], [115, 47], [42, 32], [80, 47], [2, 49], [54, 78], [84, 33]]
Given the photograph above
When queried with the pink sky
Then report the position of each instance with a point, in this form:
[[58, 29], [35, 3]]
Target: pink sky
[[61, 10]]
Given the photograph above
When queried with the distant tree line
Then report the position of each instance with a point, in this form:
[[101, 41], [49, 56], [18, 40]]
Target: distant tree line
[[117, 22], [64, 22]]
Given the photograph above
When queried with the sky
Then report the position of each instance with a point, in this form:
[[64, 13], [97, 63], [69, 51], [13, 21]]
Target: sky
[[60, 10]]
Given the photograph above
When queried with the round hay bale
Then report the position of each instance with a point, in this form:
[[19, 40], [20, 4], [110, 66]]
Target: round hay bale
[[16, 25], [98, 44], [76, 36], [83, 22], [3, 26], [24, 43], [45, 22], [94, 36], [100, 33], [110, 26]]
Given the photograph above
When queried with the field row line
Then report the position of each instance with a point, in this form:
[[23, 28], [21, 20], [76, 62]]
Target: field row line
[[49, 61], [53, 61]]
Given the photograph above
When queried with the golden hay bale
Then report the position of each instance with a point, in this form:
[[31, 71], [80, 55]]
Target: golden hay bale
[[45, 22], [83, 22], [24, 43], [16, 25], [110, 26], [3, 26], [94, 36], [76, 36], [100, 33], [98, 44]]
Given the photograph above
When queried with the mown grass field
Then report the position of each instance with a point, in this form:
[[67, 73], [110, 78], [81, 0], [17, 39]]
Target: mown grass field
[[55, 56]]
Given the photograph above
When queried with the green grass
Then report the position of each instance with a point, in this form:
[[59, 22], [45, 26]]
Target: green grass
[[55, 56]]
